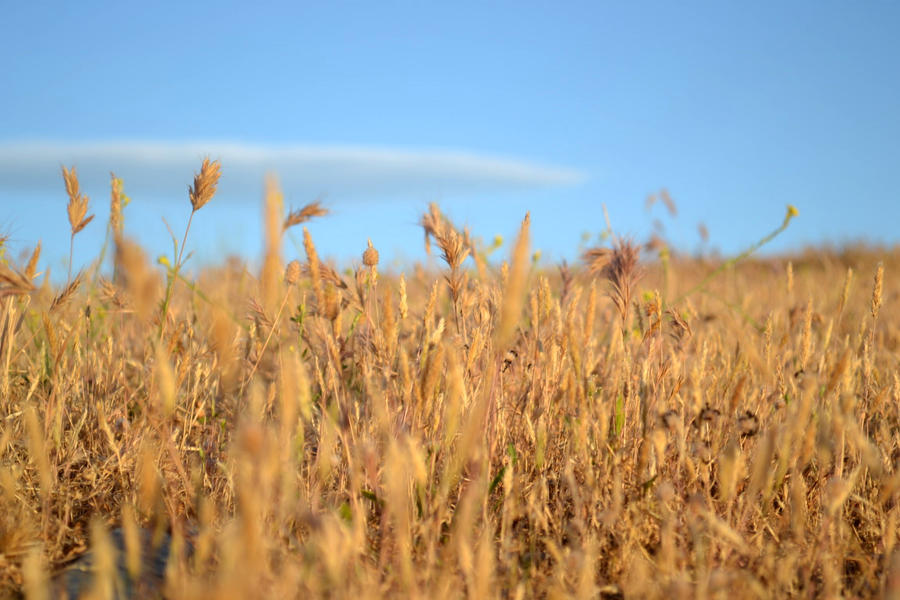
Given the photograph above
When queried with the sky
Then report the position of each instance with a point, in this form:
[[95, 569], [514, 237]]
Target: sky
[[490, 109]]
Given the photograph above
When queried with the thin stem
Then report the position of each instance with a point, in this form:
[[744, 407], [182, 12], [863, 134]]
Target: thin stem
[[732, 261], [102, 257], [184, 241], [173, 276], [71, 252], [268, 337]]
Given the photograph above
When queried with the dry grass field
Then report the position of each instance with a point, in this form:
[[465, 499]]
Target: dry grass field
[[638, 425]]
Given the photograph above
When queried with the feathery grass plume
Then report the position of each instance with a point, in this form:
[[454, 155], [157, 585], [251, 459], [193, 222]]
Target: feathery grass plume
[[200, 193], [78, 202], [77, 209], [205, 183], [314, 267], [514, 292], [115, 206], [454, 251], [620, 266], [13, 283], [67, 293], [596, 259], [432, 224], [327, 275], [31, 267], [296, 217], [455, 245]]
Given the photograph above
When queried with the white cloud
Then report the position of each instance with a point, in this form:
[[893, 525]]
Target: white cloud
[[163, 169]]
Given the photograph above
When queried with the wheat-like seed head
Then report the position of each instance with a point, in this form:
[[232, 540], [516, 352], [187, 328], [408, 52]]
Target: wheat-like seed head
[[205, 183], [78, 202], [115, 205], [876, 290], [312, 260], [12, 282], [67, 293], [311, 210], [620, 267], [31, 267], [596, 259]]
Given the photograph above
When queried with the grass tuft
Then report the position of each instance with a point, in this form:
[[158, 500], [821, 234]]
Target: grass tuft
[[475, 429]]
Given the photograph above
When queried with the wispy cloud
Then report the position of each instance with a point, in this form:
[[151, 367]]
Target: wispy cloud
[[163, 169]]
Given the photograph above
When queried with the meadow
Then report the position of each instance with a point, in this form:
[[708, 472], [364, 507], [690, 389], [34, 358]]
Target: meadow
[[642, 424]]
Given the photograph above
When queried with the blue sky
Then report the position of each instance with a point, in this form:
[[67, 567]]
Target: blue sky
[[490, 109]]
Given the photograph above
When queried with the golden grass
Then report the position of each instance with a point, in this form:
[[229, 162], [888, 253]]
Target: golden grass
[[477, 432]]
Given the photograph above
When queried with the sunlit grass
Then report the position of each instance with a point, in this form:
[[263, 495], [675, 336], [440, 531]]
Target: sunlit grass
[[647, 425]]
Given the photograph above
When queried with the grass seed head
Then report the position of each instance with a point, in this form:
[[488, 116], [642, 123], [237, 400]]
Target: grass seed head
[[296, 217], [370, 255], [877, 289], [622, 269], [31, 267], [13, 283], [78, 202], [292, 272], [205, 183], [115, 205]]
